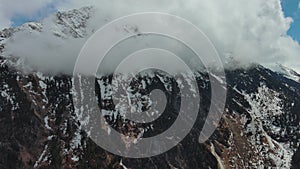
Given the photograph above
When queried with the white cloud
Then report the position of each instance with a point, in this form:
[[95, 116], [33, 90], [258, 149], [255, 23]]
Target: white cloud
[[251, 31]]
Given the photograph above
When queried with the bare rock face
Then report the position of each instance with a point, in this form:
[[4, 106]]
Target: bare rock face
[[39, 126]]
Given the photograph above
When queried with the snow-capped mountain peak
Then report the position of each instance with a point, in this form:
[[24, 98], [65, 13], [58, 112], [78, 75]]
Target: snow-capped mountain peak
[[260, 127]]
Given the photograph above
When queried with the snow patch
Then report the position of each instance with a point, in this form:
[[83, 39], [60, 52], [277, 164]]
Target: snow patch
[[46, 121], [266, 104]]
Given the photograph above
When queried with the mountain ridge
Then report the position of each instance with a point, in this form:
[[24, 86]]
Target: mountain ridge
[[260, 126]]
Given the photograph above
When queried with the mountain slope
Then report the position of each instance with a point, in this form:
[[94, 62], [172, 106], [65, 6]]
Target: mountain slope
[[39, 127]]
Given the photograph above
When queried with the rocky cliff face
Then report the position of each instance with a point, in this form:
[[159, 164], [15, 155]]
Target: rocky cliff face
[[260, 127]]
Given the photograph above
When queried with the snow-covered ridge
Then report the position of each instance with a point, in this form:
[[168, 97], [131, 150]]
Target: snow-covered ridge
[[289, 73], [50, 45], [63, 24]]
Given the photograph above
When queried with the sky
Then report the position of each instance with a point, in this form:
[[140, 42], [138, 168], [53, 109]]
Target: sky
[[291, 8], [261, 31], [19, 19]]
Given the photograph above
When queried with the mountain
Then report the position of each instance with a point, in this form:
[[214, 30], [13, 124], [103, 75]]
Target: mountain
[[260, 126]]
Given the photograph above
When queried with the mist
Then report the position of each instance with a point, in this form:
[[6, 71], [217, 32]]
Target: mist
[[243, 32]]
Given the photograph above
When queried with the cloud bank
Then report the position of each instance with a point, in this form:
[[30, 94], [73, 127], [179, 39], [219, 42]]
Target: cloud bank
[[241, 30]]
